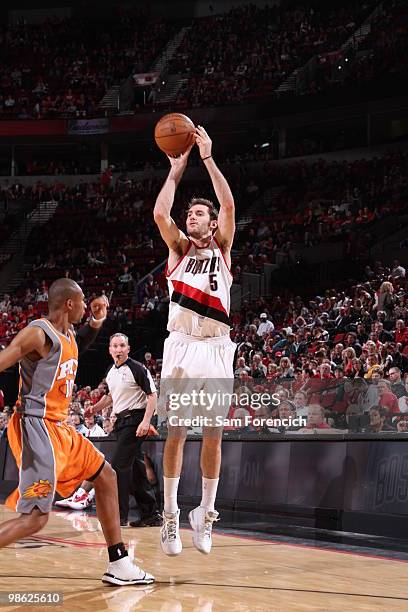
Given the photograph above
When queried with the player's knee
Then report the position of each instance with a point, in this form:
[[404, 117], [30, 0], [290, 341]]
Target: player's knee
[[107, 477], [35, 521], [176, 435]]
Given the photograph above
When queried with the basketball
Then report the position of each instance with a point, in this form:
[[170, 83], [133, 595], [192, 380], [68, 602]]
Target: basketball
[[173, 133]]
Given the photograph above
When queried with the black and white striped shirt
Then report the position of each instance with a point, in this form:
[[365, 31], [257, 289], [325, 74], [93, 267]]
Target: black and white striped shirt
[[129, 385]]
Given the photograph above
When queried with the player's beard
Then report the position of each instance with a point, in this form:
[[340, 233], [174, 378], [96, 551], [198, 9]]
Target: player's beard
[[199, 234]]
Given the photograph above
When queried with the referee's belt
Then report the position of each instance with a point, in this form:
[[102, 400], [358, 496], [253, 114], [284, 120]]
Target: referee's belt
[[128, 413]]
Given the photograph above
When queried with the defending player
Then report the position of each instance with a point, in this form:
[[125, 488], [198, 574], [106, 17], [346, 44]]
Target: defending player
[[199, 345], [51, 455]]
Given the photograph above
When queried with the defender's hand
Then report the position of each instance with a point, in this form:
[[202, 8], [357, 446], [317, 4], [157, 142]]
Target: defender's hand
[[99, 307]]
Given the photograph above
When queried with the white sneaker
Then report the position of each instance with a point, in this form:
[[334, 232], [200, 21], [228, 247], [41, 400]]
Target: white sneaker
[[201, 520], [63, 503], [123, 572], [170, 538], [81, 501]]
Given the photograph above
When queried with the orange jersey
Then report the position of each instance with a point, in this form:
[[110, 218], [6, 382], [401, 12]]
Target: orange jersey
[[46, 385]]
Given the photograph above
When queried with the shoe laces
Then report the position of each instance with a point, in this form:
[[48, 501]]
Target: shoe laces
[[210, 518], [170, 525]]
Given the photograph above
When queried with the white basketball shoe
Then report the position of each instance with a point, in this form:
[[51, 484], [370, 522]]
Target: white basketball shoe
[[169, 534], [82, 500], [123, 572], [201, 521], [64, 503]]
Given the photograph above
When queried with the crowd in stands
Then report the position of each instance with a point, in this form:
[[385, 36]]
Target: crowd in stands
[[247, 52], [323, 202], [338, 355], [103, 235], [63, 67], [58, 167], [381, 54], [338, 361]]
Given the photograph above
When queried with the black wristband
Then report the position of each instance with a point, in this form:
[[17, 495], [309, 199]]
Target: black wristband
[[204, 158]]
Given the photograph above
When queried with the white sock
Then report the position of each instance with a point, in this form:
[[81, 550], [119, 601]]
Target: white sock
[[170, 493], [210, 486], [80, 491]]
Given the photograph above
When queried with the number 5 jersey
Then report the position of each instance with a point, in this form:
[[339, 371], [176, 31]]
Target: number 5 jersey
[[199, 290]]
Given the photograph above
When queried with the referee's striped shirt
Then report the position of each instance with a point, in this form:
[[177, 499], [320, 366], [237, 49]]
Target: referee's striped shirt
[[129, 385]]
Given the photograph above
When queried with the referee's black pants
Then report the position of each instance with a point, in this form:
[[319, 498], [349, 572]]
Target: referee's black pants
[[127, 461]]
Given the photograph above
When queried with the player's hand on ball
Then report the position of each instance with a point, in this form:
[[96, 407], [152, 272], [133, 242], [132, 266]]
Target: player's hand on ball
[[99, 307], [143, 428], [181, 160], [204, 142]]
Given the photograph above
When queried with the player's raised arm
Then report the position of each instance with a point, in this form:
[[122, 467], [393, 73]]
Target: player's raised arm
[[175, 239], [226, 217], [30, 341]]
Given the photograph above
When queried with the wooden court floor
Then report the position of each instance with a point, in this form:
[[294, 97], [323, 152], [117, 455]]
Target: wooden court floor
[[241, 574]]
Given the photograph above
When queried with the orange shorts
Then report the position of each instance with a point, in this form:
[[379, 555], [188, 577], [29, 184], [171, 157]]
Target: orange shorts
[[51, 456]]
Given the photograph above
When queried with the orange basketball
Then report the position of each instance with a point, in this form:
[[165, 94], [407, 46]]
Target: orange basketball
[[174, 134]]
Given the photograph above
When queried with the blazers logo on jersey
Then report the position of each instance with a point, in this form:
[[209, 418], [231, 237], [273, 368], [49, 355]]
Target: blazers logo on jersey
[[67, 373], [42, 488], [202, 266]]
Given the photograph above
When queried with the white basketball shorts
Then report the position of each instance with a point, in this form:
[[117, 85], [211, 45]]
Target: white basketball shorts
[[197, 379]]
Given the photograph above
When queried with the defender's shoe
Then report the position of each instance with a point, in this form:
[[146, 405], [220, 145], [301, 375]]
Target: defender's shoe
[[83, 501], [123, 572]]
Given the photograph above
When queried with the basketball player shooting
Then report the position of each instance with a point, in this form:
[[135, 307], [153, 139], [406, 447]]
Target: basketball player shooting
[[199, 345]]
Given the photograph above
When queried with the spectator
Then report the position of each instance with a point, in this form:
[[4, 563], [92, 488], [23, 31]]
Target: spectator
[[378, 420], [265, 326], [387, 399], [107, 426], [78, 423], [315, 418], [241, 367], [397, 386], [258, 369], [397, 271], [94, 430]]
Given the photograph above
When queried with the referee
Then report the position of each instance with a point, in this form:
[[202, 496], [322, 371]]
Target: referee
[[132, 395]]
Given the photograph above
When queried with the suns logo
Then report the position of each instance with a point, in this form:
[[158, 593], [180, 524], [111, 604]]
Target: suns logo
[[42, 488]]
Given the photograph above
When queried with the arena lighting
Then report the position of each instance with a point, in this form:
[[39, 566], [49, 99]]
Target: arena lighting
[[264, 145]]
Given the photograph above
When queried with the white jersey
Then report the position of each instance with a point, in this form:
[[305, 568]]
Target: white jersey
[[199, 289]]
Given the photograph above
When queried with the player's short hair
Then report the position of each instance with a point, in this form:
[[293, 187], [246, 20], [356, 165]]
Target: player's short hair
[[204, 202], [117, 335], [61, 290]]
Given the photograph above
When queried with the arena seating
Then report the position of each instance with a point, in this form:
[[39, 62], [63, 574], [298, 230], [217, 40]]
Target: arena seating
[[64, 67], [249, 51], [381, 55]]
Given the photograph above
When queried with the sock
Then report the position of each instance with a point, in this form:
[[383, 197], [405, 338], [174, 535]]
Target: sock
[[210, 486], [80, 491], [170, 494], [116, 552]]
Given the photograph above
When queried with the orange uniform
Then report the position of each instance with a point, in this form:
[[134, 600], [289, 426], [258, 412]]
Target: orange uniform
[[50, 454]]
